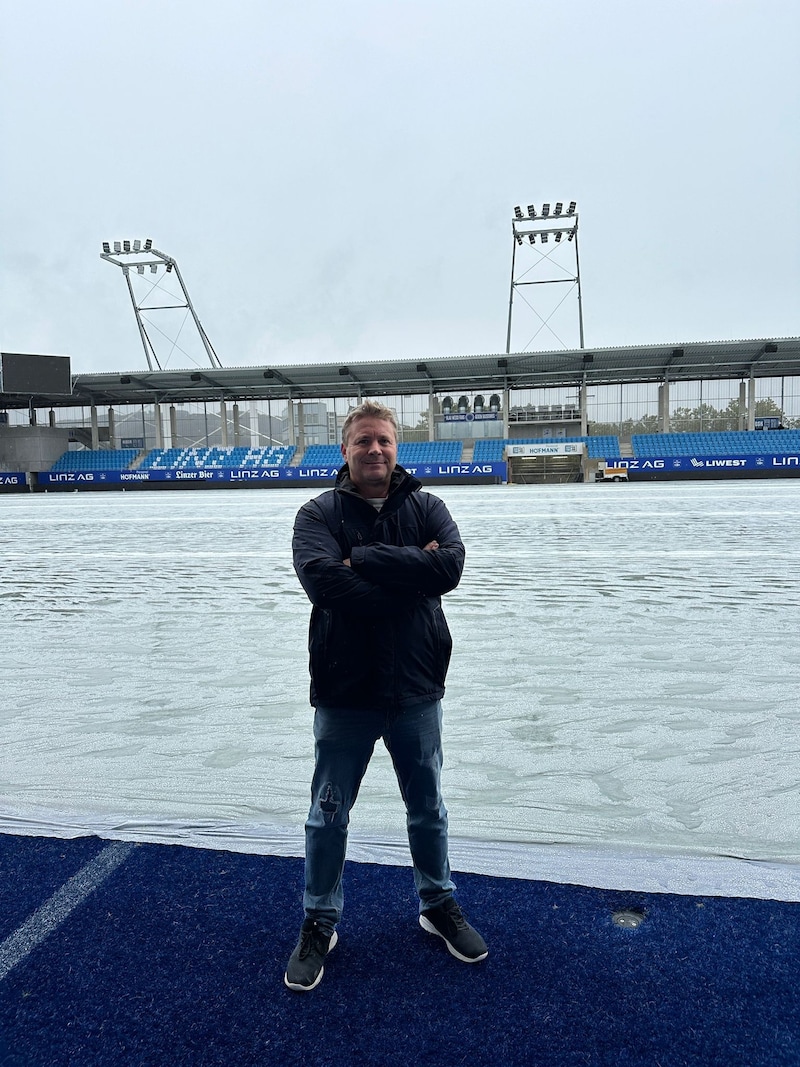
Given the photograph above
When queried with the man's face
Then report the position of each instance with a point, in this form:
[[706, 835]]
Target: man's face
[[371, 455]]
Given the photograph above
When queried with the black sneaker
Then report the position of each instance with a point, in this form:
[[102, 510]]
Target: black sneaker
[[304, 970], [462, 940]]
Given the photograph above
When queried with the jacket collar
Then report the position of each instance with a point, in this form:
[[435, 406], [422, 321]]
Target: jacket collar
[[400, 486]]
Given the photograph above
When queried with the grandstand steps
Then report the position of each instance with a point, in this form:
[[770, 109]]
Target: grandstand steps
[[625, 447], [82, 435]]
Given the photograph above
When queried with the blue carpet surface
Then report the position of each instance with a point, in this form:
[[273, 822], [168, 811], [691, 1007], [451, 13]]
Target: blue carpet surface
[[177, 958]]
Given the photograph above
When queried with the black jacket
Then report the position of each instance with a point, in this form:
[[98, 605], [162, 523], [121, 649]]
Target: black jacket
[[378, 636]]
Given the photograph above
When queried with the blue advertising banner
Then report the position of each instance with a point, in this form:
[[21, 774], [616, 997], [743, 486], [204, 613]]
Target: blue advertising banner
[[724, 465], [264, 475], [13, 478]]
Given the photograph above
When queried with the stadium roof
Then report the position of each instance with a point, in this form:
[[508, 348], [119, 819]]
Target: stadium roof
[[765, 357]]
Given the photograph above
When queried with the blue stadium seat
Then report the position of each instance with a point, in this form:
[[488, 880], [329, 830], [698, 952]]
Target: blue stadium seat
[[723, 442], [99, 459], [236, 458]]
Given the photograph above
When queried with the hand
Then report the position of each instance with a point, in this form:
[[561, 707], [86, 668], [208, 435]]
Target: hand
[[346, 562], [431, 546]]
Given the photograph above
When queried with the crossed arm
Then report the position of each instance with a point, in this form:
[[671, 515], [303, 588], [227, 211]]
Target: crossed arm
[[430, 547], [375, 575]]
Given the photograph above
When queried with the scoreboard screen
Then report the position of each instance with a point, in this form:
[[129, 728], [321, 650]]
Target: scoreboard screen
[[35, 375]]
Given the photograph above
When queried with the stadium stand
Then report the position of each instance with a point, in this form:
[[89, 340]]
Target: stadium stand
[[491, 450], [409, 453], [217, 458], [730, 443], [321, 456], [412, 453], [99, 459]]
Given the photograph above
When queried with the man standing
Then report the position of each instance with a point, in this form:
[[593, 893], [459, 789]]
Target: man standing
[[374, 555]]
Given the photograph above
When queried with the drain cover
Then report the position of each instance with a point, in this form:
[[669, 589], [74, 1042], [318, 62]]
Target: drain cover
[[629, 919]]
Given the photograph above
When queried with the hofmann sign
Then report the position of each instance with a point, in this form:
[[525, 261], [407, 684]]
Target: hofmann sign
[[562, 448]]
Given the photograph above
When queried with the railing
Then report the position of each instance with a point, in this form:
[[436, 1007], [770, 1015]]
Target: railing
[[542, 414]]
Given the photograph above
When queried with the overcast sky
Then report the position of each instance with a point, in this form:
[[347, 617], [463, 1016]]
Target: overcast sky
[[336, 179]]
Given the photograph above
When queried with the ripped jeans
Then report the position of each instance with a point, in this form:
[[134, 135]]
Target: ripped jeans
[[344, 742]]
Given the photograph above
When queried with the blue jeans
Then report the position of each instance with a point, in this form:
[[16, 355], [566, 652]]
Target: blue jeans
[[344, 742]]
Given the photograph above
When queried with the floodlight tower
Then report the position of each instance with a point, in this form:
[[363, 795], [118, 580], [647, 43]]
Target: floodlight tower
[[557, 223], [140, 255]]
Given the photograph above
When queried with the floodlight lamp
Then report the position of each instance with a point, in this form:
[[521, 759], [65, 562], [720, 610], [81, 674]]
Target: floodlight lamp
[[117, 246], [140, 268], [531, 211], [126, 245], [559, 235], [106, 247], [570, 235], [518, 213], [559, 208], [545, 210], [195, 377], [169, 266], [153, 268], [544, 238], [344, 371], [572, 207], [519, 238], [148, 244], [137, 246], [531, 238]]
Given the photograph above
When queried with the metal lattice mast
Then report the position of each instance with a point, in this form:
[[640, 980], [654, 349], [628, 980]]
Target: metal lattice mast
[[543, 225], [139, 256]]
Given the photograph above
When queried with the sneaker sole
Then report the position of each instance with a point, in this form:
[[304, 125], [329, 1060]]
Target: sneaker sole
[[307, 988], [428, 926]]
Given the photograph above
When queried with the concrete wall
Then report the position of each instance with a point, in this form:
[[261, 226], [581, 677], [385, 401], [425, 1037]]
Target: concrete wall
[[31, 448]]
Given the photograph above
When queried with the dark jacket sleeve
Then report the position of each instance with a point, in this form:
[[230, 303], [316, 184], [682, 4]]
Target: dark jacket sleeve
[[318, 563], [410, 567]]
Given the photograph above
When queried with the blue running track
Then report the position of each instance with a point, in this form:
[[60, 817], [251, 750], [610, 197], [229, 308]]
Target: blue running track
[[136, 955]]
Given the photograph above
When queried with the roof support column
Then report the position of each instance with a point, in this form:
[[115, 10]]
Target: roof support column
[[237, 427], [742, 405], [112, 429], [751, 404], [431, 415], [290, 422], [506, 406], [95, 429], [254, 423], [158, 425], [663, 406], [173, 427], [301, 428], [223, 422], [584, 408]]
